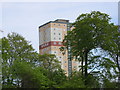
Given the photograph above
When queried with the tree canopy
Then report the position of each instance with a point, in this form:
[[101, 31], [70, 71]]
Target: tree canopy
[[92, 31]]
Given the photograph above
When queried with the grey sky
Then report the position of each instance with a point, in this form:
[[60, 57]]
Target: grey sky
[[25, 18]]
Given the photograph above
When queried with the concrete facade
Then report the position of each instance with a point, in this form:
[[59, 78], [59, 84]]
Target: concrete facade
[[51, 36]]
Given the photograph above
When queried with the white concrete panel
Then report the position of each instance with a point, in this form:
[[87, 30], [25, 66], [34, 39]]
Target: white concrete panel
[[56, 34]]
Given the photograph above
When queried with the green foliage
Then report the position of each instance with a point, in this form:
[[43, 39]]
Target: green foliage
[[59, 77], [14, 47], [49, 62], [24, 68], [74, 82], [93, 30], [32, 77]]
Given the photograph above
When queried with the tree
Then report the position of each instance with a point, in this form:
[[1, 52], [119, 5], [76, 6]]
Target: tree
[[31, 77], [114, 53], [50, 63], [24, 68], [14, 47], [91, 30]]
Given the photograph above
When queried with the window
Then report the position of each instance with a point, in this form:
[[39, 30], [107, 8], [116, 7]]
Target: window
[[59, 43], [58, 24], [54, 33], [65, 61], [59, 33], [64, 25], [54, 24], [55, 43], [59, 38], [60, 57], [54, 51], [74, 66], [47, 44], [54, 38], [65, 66], [54, 28]]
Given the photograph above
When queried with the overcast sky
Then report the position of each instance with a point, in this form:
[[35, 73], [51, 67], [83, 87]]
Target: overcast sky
[[25, 17]]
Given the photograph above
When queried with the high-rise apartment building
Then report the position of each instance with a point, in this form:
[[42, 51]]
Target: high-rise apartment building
[[51, 35]]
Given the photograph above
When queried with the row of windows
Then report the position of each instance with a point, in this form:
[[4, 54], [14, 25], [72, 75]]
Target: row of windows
[[58, 34], [59, 25], [58, 43], [60, 29], [55, 38], [55, 25]]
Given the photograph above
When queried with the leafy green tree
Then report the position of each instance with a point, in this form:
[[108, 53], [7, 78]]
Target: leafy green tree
[[14, 47], [59, 77], [24, 68], [50, 63], [75, 81], [31, 77], [114, 53], [91, 30]]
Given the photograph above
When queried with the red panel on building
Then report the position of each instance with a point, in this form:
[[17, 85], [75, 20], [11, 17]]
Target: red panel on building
[[51, 43]]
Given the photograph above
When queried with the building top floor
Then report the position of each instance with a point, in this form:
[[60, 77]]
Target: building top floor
[[62, 21]]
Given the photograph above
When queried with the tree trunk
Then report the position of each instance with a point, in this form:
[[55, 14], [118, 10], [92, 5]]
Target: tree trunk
[[86, 67], [86, 59], [82, 65], [118, 65]]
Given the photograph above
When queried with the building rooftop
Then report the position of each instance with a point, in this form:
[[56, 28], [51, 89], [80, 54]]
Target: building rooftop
[[62, 20], [56, 21]]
